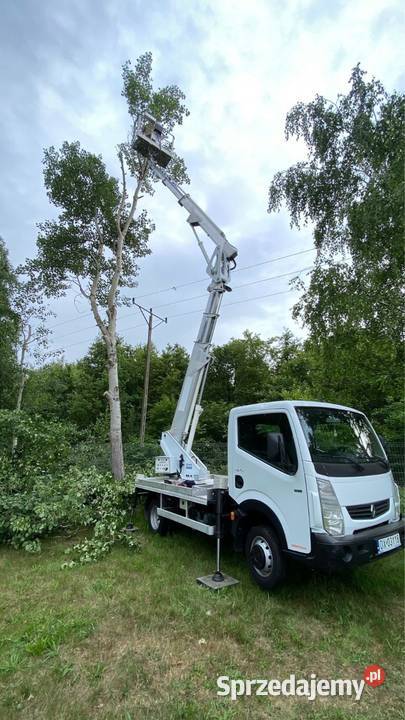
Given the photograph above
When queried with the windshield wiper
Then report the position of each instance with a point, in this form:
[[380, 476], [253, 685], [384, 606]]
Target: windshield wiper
[[377, 458], [356, 464], [339, 460]]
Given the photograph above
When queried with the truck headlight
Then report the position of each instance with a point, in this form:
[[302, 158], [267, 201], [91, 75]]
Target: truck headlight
[[397, 500], [331, 511]]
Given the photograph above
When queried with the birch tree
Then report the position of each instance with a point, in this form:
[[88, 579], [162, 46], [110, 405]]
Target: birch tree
[[351, 189], [8, 329], [100, 233], [33, 335]]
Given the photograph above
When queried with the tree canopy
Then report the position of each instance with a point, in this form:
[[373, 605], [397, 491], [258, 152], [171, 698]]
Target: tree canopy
[[350, 189], [99, 235]]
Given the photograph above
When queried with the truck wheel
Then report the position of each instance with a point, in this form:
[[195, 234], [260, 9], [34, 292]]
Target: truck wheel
[[264, 557], [157, 525]]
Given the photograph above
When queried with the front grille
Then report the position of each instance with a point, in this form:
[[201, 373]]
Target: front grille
[[369, 511]]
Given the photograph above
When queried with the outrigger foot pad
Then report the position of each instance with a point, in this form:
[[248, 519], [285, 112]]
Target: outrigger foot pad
[[218, 576], [217, 581]]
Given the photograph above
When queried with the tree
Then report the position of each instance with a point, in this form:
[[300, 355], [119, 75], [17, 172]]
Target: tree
[[290, 369], [95, 242], [239, 371], [33, 334], [214, 421], [8, 330], [74, 392], [24, 336], [351, 190], [49, 391]]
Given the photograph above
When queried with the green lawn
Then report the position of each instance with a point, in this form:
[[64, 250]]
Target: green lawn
[[133, 636]]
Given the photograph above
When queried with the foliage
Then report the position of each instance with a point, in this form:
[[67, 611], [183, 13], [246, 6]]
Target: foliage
[[239, 372], [41, 492], [43, 446], [165, 104], [92, 452], [8, 330], [105, 506], [79, 246], [351, 190], [50, 392], [249, 370], [160, 416], [74, 392], [99, 235], [337, 370], [214, 421]]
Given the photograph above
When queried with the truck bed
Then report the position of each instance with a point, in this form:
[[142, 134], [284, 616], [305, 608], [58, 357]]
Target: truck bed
[[203, 493]]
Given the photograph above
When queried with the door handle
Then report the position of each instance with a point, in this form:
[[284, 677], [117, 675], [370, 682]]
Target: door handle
[[239, 481]]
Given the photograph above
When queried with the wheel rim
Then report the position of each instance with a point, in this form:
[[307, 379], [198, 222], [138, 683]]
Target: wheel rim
[[261, 556], [154, 518]]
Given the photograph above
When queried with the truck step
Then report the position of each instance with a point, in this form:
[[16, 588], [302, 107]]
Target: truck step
[[195, 524]]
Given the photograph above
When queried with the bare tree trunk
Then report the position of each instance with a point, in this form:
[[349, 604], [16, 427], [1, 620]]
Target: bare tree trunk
[[21, 384], [117, 454], [108, 329]]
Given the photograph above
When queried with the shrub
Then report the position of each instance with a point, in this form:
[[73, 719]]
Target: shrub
[[42, 445], [41, 493]]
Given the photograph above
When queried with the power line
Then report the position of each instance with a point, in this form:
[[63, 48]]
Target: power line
[[237, 287], [194, 282], [82, 342], [198, 297], [200, 310], [283, 257], [236, 302], [237, 269]]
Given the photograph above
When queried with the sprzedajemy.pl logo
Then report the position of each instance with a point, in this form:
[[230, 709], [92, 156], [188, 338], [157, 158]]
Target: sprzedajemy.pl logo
[[373, 675]]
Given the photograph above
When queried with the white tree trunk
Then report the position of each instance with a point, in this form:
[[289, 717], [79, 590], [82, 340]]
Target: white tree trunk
[[108, 329], [22, 380], [23, 377], [113, 395], [21, 385]]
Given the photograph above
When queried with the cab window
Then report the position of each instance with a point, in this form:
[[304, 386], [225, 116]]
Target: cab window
[[269, 437]]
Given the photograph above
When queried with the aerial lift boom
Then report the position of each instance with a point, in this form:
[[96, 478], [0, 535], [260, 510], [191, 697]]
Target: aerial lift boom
[[176, 444]]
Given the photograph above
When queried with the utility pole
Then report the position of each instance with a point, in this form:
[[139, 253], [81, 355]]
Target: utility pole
[[148, 316]]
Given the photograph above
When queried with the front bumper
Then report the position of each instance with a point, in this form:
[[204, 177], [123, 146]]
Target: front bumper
[[336, 553]]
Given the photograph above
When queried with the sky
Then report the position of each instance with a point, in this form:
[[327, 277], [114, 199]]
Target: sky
[[242, 66]]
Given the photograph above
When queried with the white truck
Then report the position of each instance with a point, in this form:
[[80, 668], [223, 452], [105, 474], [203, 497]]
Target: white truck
[[308, 481]]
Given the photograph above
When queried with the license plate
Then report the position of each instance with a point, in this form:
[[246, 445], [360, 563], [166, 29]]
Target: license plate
[[388, 543]]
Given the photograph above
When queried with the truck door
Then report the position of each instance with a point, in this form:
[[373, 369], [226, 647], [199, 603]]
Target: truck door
[[265, 465]]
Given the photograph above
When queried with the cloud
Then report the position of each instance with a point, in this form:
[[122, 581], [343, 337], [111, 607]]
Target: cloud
[[242, 66]]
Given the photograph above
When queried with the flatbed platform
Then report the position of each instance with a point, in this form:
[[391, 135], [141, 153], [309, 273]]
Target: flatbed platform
[[201, 493]]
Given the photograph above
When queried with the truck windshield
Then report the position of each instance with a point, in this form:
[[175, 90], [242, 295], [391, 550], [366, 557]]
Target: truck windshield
[[341, 437]]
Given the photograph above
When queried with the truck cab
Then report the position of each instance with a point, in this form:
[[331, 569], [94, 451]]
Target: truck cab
[[311, 481]]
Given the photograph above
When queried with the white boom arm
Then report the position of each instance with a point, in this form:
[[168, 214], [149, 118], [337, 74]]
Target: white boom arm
[[188, 408], [149, 141]]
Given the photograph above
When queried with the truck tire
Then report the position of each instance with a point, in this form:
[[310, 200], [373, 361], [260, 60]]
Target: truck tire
[[156, 524], [264, 558]]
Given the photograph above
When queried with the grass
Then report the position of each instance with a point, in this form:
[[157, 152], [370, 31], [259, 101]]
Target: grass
[[134, 636]]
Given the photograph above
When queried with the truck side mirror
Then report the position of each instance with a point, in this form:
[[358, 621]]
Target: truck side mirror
[[383, 442]]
